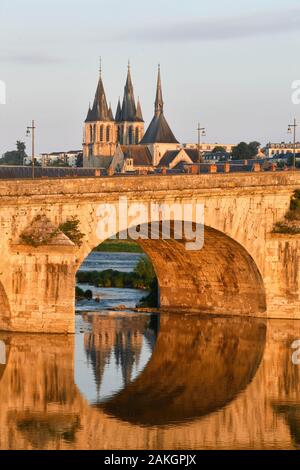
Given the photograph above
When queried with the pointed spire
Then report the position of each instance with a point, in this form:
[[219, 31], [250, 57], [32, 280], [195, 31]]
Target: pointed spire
[[159, 130], [159, 104], [100, 111], [89, 114], [110, 113], [128, 107], [119, 112], [139, 114]]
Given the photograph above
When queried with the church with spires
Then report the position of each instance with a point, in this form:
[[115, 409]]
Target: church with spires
[[119, 143]]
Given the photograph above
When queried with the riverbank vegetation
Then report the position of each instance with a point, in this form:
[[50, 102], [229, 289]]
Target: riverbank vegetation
[[119, 246], [291, 223], [143, 277], [81, 294]]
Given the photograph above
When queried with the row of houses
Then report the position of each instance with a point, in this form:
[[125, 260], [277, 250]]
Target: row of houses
[[70, 158]]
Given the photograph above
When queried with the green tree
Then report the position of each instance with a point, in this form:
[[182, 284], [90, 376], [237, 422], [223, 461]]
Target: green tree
[[218, 149], [241, 151], [254, 148], [144, 272], [15, 157], [79, 160]]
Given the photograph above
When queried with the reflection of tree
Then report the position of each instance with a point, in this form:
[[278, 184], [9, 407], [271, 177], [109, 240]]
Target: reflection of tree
[[42, 429], [122, 337]]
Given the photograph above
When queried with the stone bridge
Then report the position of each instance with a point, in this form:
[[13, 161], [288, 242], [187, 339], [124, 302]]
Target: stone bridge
[[243, 268]]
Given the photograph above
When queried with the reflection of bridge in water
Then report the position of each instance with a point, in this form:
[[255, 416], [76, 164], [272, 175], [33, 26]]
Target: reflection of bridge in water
[[224, 382]]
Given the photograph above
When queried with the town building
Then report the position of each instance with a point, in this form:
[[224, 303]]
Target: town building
[[283, 148], [69, 158]]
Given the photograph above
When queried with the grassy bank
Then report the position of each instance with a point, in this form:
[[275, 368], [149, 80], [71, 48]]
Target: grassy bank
[[121, 246]]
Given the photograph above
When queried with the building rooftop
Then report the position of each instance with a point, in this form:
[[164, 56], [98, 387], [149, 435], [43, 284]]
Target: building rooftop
[[139, 153]]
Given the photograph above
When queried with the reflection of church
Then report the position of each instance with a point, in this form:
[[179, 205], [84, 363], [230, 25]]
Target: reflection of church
[[119, 340], [119, 143]]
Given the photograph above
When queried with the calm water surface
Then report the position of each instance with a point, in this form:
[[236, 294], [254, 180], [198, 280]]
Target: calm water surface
[[136, 381], [124, 262], [133, 381]]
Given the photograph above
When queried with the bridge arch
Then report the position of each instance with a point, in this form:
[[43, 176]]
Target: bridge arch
[[220, 278]]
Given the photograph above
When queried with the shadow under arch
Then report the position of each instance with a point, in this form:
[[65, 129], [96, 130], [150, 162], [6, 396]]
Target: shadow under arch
[[221, 278], [199, 365]]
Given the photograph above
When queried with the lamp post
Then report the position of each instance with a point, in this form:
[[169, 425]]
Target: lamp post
[[292, 129], [31, 130], [201, 133]]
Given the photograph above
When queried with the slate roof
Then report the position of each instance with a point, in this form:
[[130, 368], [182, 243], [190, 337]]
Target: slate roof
[[193, 154], [159, 132], [130, 112], [103, 161], [168, 157], [110, 114], [140, 154], [119, 112], [139, 114], [99, 111]]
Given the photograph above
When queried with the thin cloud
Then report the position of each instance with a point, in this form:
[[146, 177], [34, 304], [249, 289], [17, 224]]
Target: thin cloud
[[29, 59], [220, 28]]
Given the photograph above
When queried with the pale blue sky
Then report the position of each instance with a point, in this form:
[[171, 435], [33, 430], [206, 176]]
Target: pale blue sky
[[226, 63]]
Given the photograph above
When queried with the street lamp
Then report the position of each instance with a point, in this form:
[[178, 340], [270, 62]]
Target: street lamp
[[292, 129], [31, 131], [201, 133]]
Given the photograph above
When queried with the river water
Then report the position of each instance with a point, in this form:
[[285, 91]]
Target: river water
[[127, 380]]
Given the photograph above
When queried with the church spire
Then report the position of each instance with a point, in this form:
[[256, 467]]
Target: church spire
[[100, 111], [139, 114], [89, 114], [119, 112], [159, 130], [110, 113], [128, 107], [159, 104]]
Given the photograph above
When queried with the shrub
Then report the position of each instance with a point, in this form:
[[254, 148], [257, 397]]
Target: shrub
[[71, 230]]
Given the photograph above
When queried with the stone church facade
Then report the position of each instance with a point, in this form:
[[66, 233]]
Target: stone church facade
[[106, 135]]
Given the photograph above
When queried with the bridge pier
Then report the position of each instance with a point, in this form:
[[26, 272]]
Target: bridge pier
[[281, 274], [38, 287]]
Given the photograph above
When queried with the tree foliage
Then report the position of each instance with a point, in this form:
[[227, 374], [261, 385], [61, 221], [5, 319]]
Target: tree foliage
[[243, 151], [71, 229], [219, 149], [15, 157]]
